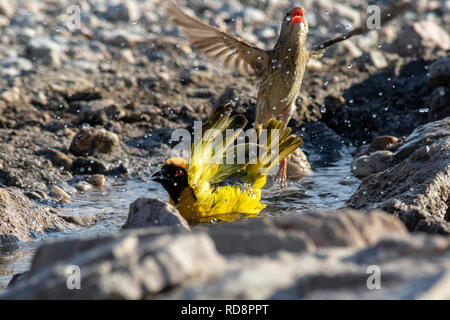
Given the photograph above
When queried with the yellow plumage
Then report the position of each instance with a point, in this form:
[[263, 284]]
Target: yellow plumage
[[219, 190]]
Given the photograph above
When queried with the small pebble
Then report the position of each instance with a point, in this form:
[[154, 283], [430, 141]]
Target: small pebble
[[383, 142], [83, 186], [97, 180], [58, 193]]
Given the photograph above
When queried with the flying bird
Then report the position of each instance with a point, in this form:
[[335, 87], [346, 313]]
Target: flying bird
[[280, 69]]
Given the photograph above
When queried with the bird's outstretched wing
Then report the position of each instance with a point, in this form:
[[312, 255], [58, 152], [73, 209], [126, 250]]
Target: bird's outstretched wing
[[276, 139], [233, 52], [208, 164]]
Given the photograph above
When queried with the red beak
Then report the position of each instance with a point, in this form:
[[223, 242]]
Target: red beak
[[297, 15]]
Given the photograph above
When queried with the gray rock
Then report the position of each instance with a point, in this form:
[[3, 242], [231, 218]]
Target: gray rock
[[8, 7], [439, 102], [420, 38], [414, 267], [232, 7], [126, 11], [425, 135], [365, 166], [439, 73], [417, 187], [99, 111], [147, 212], [331, 14], [21, 218], [253, 15], [125, 55], [122, 38], [83, 165], [91, 140], [59, 159], [45, 50], [130, 265], [14, 66], [316, 255], [305, 232], [83, 186]]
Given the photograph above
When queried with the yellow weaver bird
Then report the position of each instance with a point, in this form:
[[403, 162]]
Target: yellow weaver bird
[[204, 189]]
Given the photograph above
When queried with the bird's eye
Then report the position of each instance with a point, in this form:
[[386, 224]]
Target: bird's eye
[[178, 173]]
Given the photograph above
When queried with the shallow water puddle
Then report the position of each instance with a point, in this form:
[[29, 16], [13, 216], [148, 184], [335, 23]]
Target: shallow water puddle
[[328, 188]]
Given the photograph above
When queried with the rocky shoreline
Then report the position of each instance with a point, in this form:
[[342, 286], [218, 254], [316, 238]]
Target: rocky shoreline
[[81, 108]]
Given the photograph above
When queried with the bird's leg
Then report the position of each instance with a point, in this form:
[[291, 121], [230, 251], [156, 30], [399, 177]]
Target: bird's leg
[[282, 170]]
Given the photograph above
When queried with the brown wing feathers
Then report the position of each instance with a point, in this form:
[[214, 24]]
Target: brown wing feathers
[[234, 52]]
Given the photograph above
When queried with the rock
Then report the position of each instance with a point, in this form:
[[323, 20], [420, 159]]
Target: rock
[[12, 95], [46, 50], [383, 142], [439, 102], [334, 14], [84, 220], [122, 38], [135, 264], [420, 38], [99, 111], [378, 60], [305, 232], [39, 99], [311, 256], [83, 186], [97, 180], [413, 267], [125, 55], [417, 187], [147, 212], [439, 73], [253, 15], [83, 165], [58, 159], [58, 193], [90, 140], [365, 166], [21, 218], [8, 8], [33, 195], [17, 278], [424, 135], [298, 165], [126, 11], [15, 66]]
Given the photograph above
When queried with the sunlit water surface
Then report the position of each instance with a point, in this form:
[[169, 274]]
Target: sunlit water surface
[[328, 188]]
